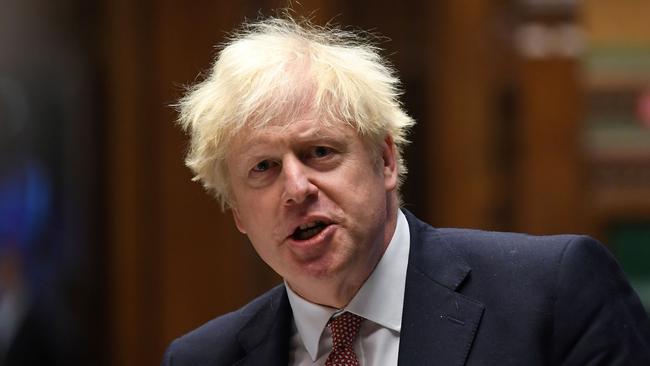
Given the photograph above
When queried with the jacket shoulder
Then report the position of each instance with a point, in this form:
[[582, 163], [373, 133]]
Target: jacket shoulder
[[496, 262], [493, 243], [563, 298], [507, 246], [522, 258]]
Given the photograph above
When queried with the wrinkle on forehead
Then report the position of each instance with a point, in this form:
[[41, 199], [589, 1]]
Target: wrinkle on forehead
[[293, 130]]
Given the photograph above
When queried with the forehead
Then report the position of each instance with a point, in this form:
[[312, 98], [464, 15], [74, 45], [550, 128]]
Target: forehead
[[304, 129]]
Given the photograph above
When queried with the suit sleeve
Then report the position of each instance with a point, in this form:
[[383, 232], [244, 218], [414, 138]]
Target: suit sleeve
[[599, 319]]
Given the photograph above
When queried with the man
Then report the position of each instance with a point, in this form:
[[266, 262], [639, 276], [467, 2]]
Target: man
[[299, 132]]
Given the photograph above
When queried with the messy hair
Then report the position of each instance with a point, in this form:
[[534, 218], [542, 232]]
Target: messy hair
[[272, 70]]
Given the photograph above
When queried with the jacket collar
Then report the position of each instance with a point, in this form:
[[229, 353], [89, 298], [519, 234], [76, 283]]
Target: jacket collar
[[265, 337], [438, 324]]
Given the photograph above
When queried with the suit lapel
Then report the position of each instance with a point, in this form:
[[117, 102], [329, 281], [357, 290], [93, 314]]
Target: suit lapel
[[265, 338], [438, 323]]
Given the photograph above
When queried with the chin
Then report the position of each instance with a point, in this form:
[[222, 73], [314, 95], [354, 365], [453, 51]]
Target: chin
[[317, 272]]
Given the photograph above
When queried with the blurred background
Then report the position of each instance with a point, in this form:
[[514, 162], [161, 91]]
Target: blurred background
[[534, 116]]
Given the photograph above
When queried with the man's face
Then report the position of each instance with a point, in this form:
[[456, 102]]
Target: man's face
[[315, 201]]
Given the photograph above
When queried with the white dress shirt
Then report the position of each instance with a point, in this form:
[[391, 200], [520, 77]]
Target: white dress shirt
[[380, 301]]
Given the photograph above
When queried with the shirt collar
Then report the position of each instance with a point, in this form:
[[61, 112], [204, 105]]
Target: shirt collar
[[380, 299]]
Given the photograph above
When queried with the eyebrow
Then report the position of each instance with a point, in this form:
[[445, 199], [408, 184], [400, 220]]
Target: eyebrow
[[261, 137]]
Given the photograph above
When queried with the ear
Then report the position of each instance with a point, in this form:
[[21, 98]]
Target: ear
[[389, 157], [238, 222]]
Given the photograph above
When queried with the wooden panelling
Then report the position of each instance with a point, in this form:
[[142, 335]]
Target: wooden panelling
[[175, 260], [461, 153], [206, 266], [129, 216], [549, 191]]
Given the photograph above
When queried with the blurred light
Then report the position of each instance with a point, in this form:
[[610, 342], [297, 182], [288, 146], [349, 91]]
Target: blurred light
[[538, 40], [643, 108], [24, 204]]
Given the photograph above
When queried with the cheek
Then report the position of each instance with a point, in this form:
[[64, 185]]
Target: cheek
[[251, 221], [365, 182], [257, 215], [244, 214]]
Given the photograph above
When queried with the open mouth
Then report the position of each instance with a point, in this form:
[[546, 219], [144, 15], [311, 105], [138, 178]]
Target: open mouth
[[308, 231]]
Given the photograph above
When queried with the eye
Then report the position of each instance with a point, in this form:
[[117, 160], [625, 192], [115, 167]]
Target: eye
[[262, 173], [262, 166], [321, 151]]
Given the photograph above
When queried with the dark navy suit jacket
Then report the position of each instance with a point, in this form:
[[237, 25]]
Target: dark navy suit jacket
[[472, 298]]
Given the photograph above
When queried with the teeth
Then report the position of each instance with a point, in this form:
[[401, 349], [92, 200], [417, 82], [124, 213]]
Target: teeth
[[307, 231], [309, 225]]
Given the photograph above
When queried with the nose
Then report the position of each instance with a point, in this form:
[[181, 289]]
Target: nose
[[297, 185]]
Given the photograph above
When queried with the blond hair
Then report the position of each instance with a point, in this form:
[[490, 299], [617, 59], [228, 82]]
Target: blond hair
[[272, 70]]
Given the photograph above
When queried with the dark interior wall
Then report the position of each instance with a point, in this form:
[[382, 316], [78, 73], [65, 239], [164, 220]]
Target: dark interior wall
[[174, 260], [156, 255]]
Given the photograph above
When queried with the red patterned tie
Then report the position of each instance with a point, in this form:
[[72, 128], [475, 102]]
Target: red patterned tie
[[344, 330]]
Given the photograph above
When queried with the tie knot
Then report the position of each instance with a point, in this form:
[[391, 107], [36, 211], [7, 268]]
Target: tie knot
[[344, 328]]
